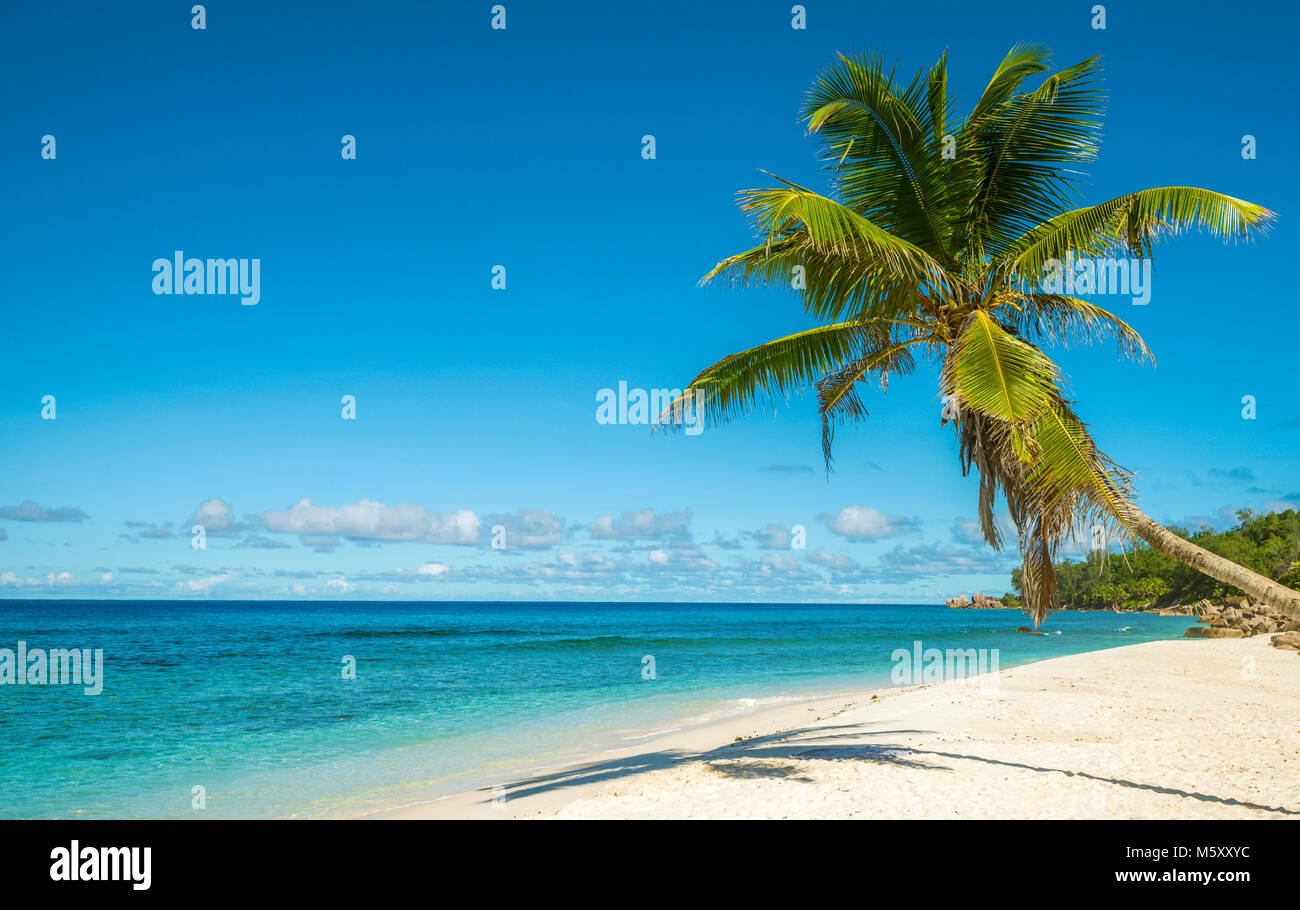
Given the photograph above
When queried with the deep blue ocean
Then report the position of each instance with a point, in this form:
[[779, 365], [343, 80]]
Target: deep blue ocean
[[249, 700]]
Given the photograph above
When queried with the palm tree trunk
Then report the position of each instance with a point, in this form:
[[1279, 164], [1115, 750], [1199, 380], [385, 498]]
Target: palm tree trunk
[[1259, 588]]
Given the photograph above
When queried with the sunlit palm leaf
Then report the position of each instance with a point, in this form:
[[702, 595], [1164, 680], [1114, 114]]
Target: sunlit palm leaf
[[834, 288], [1021, 62], [881, 141], [756, 379], [1063, 319], [1070, 474], [1023, 147], [995, 373], [1130, 224], [835, 229]]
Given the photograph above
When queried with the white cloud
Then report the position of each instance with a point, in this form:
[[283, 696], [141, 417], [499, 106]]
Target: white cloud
[[836, 562], [321, 543], [773, 537], [217, 518], [642, 525], [866, 523], [202, 585], [529, 529], [14, 580], [369, 520], [30, 511], [1289, 501], [785, 566], [926, 560]]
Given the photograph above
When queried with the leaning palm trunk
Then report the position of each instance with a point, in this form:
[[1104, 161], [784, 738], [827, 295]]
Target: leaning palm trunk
[[1256, 586]]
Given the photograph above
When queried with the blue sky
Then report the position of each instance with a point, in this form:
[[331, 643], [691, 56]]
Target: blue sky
[[475, 407]]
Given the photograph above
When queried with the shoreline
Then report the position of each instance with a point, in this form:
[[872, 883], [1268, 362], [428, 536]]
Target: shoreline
[[1118, 732]]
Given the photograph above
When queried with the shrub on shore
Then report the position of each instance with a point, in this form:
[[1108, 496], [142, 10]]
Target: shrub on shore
[[1268, 544]]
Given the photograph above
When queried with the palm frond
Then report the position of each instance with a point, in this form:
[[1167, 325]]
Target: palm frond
[[850, 267], [756, 379], [837, 394], [1021, 62], [937, 98], [1130, 224], [881, 143], [835, 229], [993, 372], [1070, 476], [1058, 318], [1038, 586], [1023, 148]]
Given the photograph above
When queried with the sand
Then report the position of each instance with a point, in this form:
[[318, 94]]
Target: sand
[[1169, 729]]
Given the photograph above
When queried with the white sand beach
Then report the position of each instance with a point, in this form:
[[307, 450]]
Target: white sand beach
[[1168, 729]]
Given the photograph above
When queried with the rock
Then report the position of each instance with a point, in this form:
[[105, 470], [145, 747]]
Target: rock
[[1237, 601], [1203, 608], [1231, 614], [1290, 625], [977, 601], [1288, 640], [1259, 626], [1212, 632], [1030, 631]]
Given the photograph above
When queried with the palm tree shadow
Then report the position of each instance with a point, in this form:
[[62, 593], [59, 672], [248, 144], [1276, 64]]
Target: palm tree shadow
[[767, 763], [724, 759], [772, 756], [1120, 782]]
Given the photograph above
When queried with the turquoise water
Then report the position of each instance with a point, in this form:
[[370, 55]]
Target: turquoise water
[[248, 700]]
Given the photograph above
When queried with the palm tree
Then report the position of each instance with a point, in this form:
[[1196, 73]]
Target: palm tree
[[935, 243]]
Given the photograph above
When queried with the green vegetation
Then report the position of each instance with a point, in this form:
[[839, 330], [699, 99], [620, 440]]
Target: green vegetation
[[1267, 544]]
